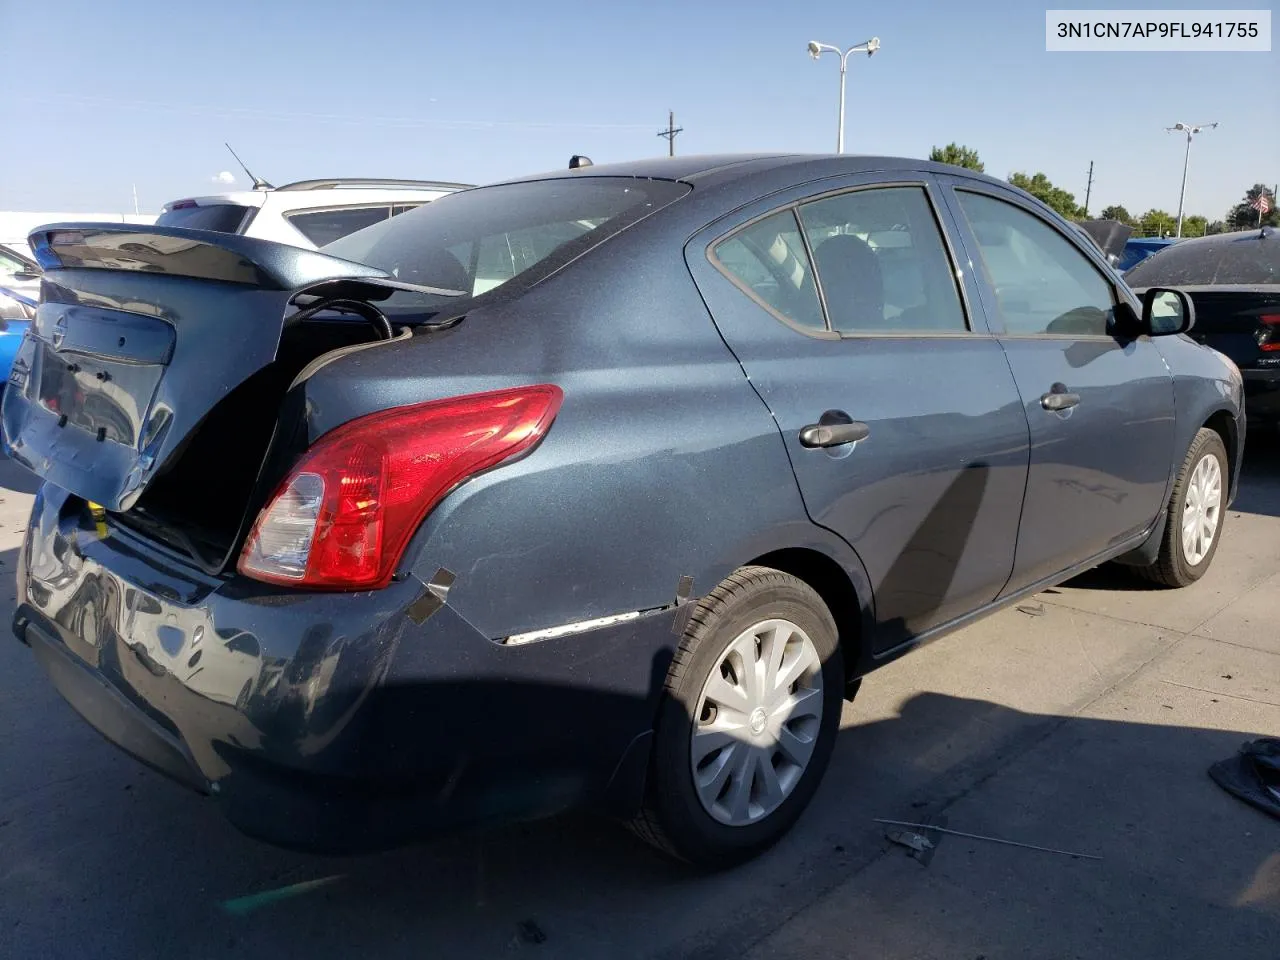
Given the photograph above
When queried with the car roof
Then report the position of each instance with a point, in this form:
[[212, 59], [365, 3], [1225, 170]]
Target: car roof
[[722, 168]]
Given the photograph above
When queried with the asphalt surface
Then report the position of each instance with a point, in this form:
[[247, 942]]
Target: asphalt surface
[[1083, 720]]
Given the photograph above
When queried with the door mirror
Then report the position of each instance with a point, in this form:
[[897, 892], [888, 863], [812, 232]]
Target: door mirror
[[1166, 312]]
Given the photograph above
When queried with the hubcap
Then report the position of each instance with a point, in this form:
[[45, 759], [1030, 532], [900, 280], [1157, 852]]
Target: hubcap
[[1202, 509], [757, 722]]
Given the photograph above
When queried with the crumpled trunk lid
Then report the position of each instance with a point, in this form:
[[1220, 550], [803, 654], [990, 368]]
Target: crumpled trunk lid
[[140, 332]]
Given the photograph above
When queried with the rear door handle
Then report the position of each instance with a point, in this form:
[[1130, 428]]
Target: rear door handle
[[1055, 400], [833, 434]]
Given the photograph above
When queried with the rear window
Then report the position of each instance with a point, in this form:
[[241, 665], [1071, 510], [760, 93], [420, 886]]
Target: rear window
[[325, 226], [478, 240], [222, 217], [1249, 257]]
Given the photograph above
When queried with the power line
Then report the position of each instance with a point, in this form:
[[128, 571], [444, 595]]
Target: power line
[[670, 133]]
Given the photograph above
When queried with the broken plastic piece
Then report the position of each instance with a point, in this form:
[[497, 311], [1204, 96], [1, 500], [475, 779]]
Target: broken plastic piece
[[1253, 774], [684, 593], [976, 836], [434, 594], [913, 841]]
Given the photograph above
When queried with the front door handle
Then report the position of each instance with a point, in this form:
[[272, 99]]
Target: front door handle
[[833, 434], [1059, 399]]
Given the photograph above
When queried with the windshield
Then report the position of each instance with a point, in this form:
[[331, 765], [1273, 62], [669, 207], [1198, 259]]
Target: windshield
[[476, 241], [1249, 257]]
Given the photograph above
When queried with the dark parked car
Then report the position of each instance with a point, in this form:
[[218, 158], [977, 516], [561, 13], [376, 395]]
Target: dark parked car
[[603, 487], [1234, 281]]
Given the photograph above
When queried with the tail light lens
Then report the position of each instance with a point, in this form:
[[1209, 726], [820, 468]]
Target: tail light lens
[[344, 515], [1269, 332]]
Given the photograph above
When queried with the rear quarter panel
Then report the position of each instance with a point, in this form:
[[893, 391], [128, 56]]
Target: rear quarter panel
[[662, 462]]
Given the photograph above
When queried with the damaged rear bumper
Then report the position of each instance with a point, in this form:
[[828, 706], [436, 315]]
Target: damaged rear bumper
[[333, 722]]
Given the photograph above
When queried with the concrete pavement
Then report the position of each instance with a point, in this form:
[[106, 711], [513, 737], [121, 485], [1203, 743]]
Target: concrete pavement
[[1084, 721]]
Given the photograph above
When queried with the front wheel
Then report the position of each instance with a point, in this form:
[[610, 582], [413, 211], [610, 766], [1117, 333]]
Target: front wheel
[[750, 715], [1196, 511]]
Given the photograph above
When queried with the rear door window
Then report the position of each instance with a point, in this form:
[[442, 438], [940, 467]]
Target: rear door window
[[768, 261], [326, 226], [222, 217], [882, 264]]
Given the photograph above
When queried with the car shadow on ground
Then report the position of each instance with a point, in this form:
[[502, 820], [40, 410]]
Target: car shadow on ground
[[105, 858], [99, 857]]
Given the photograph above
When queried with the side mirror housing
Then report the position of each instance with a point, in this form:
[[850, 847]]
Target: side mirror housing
[[1166, 312]]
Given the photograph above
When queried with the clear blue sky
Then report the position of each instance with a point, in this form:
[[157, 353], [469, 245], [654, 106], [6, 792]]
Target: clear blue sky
[[101, 96]]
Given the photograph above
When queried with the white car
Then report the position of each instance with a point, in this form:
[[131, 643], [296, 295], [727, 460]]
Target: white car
[[309, 213]]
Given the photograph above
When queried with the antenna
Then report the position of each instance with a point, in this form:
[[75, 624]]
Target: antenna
[[258, 184]]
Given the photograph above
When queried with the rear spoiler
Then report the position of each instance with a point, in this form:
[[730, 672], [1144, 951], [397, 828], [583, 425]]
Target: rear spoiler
[[195, 254]]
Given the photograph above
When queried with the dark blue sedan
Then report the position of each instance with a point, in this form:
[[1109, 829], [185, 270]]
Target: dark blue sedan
[[604, 487]]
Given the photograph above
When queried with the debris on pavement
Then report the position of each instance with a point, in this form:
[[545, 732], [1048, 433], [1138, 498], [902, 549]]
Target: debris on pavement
[[1031, 609], [976, 836], [1253, 774], [530, 932], [921, 846]]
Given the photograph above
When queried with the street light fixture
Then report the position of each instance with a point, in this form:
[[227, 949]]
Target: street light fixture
[[817, 49], [1190, 129]]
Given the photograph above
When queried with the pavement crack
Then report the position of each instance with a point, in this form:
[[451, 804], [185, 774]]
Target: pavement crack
[[1219, 693], [1241, 646]]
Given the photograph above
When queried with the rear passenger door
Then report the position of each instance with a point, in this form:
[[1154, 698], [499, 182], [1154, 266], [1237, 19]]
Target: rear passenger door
[[843, 304], [1099, 404]]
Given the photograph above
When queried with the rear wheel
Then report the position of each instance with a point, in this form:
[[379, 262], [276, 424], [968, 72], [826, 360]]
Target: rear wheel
[[1196, 512], [751, 712]]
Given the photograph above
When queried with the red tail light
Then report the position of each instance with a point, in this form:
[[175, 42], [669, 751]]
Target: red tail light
[[344, 515], [1269, 331]]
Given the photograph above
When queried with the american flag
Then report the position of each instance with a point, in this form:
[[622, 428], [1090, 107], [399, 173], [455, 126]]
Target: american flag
[[1262, 204]]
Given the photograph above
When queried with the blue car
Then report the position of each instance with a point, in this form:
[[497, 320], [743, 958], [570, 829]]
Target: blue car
[[603, 488], [19, 291], [1138, 249]]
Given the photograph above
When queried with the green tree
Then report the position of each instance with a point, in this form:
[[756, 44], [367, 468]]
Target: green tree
[[957, 155], [1117, 212], [1156, 223], [1242, 216], [1055, 197], [1194, 226], [1214, 228]]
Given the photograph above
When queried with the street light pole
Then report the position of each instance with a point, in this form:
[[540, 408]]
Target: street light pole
[[817, 49], [1191, 130]]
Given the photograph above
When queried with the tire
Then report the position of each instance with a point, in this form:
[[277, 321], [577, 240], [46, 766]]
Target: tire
[[676, 817], [1174, 566]]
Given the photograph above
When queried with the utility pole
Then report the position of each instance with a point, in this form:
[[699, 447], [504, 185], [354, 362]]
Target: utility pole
[[1088, 190], [670, 133]]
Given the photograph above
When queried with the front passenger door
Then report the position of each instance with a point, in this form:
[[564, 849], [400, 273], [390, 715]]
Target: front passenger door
[[1100, 407]]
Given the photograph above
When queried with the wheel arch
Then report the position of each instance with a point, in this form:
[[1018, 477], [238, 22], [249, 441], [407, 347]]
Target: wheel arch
[[1224, 424], [850, 609]]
